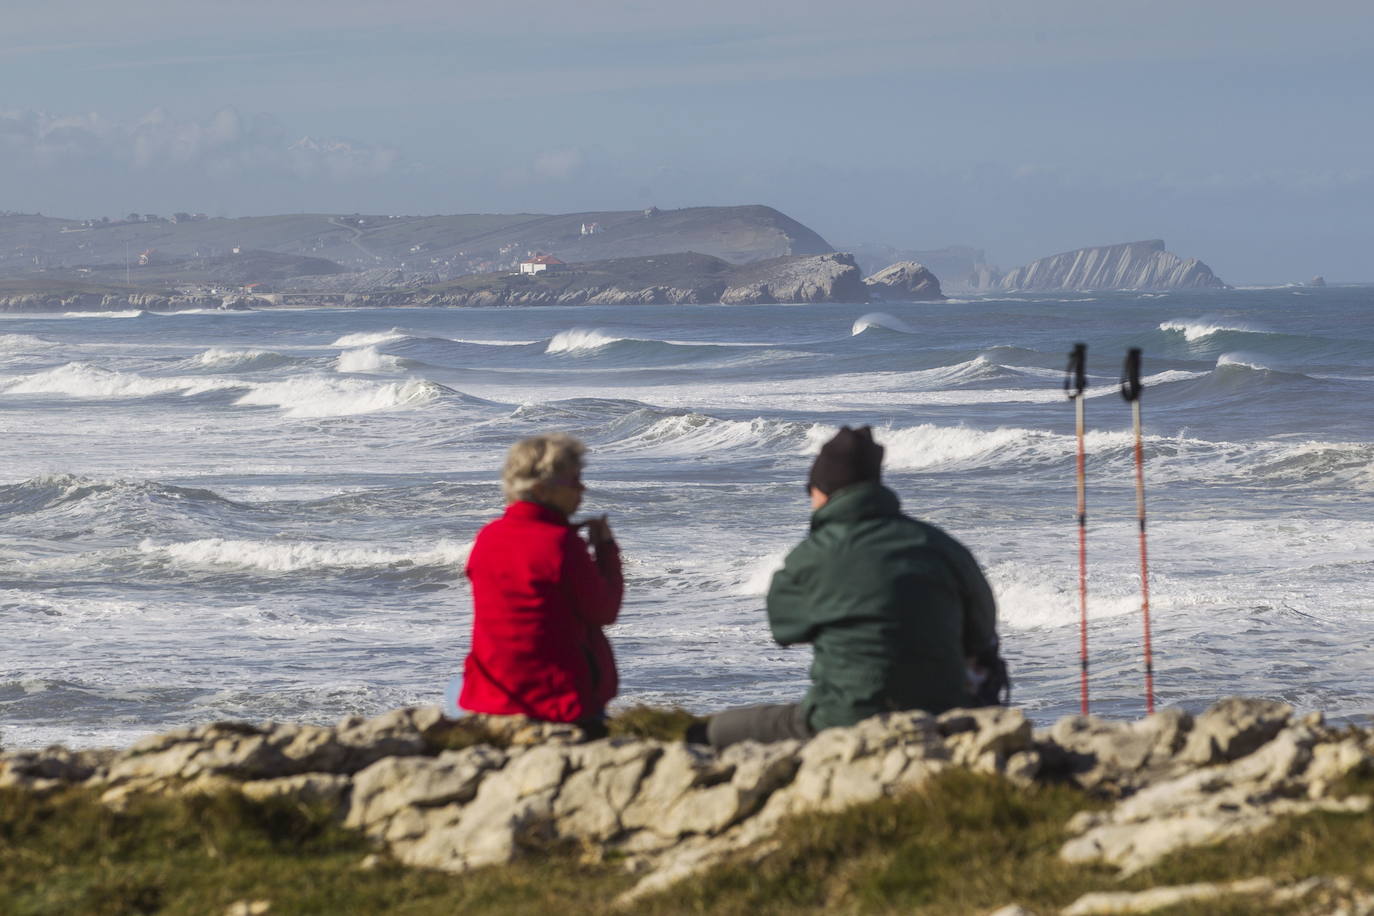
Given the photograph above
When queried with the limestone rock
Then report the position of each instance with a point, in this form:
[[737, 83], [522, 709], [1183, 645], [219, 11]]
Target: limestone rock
[[51, 768], [1159, 898], [816, 278], [394, 783], [905, 281], [1115, 757], [1233, 728], [311, 788]]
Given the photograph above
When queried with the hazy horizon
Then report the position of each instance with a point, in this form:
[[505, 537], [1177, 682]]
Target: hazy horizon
[[1238, 133]]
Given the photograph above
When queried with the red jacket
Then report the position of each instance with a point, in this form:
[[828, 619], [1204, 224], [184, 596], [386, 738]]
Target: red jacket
[[539, 603]]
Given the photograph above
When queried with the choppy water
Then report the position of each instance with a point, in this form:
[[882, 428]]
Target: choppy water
[[265, 514]]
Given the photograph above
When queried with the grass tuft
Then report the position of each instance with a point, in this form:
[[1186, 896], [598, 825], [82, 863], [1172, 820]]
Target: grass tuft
[[650, 723]]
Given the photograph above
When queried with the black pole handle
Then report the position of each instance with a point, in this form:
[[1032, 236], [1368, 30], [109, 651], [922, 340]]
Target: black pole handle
[[1076, 372], [1130, 376]]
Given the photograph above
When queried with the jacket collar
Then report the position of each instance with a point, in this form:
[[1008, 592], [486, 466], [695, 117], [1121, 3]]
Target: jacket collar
[[869, 499], [532, 511]]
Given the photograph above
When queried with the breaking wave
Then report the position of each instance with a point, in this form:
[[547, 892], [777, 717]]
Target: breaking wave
[[335, 397], [367, 359], [578, 340], [133, 313], [295, 556], [651, 432], [82, 380], [224, 358], [881, 320], [1198, 329], [369, 338]]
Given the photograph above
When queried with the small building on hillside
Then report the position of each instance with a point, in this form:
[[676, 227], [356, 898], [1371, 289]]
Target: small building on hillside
[[591, 228], [541, 262]]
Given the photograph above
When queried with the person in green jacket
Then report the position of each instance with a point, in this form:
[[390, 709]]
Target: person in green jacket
[[897, 611]]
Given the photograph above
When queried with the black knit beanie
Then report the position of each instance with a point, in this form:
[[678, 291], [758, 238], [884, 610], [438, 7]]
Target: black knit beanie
[[850, 457]]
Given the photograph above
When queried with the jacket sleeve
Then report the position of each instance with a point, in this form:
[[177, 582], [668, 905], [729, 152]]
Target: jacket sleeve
[[790, 596], [594, 589], [980, 608]]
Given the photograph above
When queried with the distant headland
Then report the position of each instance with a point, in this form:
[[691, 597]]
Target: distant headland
[[731, 255]]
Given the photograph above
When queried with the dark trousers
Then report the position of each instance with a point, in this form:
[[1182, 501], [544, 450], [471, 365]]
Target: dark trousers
[[764, 724]]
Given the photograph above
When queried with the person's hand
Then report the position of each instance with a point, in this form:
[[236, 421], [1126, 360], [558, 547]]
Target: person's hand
[[599, 530]]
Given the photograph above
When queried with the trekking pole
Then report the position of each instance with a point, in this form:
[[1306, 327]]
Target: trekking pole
[[1075, 383], [1130, 390]]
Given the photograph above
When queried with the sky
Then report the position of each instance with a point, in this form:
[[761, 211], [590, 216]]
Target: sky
[[1241, 133]]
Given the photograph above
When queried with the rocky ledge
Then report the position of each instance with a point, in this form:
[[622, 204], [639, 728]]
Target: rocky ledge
[[114, 302], [670, 809]]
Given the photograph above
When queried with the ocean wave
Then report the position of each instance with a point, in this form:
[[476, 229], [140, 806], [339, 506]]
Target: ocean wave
[[370, 338], [225, 358], [1194, 329], [337, 397], [578, 340], [367, 359], [650, 432], [132, 313], [52, 490], [20, 343], [82, 380], [296, 556], [881, 320]]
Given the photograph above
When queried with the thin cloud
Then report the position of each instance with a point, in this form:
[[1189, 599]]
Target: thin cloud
[[226, 145]]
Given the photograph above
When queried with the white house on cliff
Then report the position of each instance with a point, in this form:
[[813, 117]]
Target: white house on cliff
[[538, 262]]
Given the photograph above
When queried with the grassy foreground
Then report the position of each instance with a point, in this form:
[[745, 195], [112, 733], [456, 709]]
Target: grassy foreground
[[965, 844]]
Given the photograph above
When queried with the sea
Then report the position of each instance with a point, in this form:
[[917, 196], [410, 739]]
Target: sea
[[264, 515]]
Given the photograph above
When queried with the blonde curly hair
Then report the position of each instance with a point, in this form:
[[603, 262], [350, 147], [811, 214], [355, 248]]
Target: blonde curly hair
[[539, 459]]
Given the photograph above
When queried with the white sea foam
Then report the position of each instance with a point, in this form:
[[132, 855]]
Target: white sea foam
[[318, 396], [82, 380], [369, 338], [294, 556], [367, 359], [133, 313], [1030, 595], [17, 343], [1199, 328], [881, 320], [578, 340], [760, 575]]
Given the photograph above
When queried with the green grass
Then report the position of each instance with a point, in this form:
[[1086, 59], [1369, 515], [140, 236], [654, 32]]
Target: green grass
[[966, 844]]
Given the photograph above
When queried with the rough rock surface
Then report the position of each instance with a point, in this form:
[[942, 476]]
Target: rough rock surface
[[815, 278], [1132, 265], [905, 281], [669, 809], [104, 302]]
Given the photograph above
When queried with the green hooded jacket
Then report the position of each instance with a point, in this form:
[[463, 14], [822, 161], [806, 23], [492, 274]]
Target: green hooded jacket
[[892, 606]]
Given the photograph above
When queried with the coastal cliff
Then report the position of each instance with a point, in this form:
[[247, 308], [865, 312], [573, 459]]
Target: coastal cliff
[[1132, 265], [460, 795], [686, 278]]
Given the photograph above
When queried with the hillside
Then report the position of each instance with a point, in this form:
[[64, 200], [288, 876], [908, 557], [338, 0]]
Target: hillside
[[448, 245]]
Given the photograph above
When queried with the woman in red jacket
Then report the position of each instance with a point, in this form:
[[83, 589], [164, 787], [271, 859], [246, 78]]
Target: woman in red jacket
[[539, 599]]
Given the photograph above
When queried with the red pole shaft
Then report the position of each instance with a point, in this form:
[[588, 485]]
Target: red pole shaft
[[1082, 557], [1144, 561]]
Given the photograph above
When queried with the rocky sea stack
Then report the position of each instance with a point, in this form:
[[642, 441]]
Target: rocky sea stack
[[906, 281]]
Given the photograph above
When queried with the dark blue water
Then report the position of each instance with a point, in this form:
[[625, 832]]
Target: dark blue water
[[265, 514]]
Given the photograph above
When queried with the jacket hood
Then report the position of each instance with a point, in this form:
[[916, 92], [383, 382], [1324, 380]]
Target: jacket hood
[[857, 501]]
